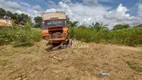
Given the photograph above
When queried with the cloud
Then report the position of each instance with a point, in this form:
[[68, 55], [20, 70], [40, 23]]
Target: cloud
[[105, 0], [83, 13], [68, 1], [90, 2], [13, 5], [9, 5], [87, 14], [140, 10], [19, 8], [20, 12], [26, 4], [52, 10], [37, 8], [118, 14]]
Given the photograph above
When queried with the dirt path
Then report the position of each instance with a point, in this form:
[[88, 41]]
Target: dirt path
[[82, 62]]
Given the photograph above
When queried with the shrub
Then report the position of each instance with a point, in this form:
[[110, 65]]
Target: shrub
[[20, 36], [130, 37]]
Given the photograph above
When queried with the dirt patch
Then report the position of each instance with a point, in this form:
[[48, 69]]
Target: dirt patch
[[82, 62]]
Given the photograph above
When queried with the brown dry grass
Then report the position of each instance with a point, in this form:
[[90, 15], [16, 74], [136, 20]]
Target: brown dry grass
[[4, 24], [77, 63]]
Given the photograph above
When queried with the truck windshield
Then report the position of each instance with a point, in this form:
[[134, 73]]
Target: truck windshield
[[53, 23]]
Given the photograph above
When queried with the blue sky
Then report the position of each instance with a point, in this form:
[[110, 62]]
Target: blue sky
[[130, 4], [44, 4], [108, 12]]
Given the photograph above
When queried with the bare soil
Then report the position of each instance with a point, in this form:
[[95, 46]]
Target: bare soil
[[83, 61]]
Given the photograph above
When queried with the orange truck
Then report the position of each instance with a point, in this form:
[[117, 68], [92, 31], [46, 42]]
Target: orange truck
[[55, 29]]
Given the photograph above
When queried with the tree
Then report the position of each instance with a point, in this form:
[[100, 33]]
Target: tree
[[98, 26], [138, 26], [72, 24], [10, 14], [2, 12], [22, 19], [121, 26], [38, 21], [16, 18]]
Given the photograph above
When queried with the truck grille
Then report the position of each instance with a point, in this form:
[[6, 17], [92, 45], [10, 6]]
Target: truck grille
[[56, 35]]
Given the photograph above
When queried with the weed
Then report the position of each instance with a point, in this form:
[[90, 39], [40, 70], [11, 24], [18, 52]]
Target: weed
[[20, 36], [130, 37], [135, 66]]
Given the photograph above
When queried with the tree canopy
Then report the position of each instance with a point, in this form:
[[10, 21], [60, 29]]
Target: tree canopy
[[121, 26], [98, 26], [38, 21], [2, 12], [16, 18]]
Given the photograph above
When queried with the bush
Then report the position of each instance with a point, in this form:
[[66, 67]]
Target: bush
[[130, 37], [20, 36]]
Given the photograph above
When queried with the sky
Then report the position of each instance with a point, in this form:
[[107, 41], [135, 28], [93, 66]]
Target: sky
[[107, 12]]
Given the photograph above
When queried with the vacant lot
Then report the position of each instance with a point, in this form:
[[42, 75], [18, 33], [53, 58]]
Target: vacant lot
[[82, 62]]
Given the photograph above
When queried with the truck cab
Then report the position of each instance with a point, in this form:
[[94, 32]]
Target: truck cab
[[54, 27]]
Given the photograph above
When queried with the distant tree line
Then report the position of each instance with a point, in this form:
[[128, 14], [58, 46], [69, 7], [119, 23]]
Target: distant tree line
[[20, 19], [16, 18], [100, 26]]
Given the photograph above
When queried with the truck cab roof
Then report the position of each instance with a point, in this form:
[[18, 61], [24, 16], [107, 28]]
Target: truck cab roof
[[53, 15]]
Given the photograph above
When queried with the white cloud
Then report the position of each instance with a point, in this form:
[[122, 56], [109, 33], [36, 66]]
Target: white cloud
[[119, 16], [26, 4], [83, 13], [13, 5], [37, 8], [105, 0], [68, 1], [87, 14], [140, 10], [20, 12], [90, 2], [9, 5], [51, 10], [65, 8], [19, 8]]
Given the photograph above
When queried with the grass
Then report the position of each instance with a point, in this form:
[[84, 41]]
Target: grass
[[68, 78], [135, 66], [26, 36], [4, 62], [130, 37], [20, 36]]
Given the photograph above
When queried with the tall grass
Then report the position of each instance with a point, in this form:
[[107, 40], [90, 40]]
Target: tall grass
[[26, 36], [130, 37], [20, 36]]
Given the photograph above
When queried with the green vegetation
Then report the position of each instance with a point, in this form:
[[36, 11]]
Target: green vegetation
[[23, 33], [135, 66], [20, 36], [99, 34], [26, 35], [38, 21], [20, 19], [16, 18], [121, 26], [4, 62]]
